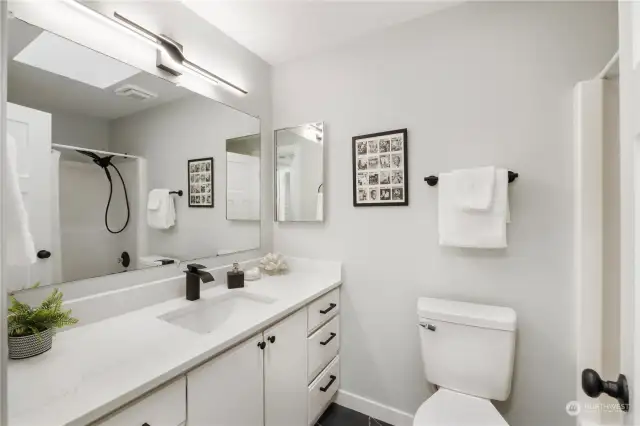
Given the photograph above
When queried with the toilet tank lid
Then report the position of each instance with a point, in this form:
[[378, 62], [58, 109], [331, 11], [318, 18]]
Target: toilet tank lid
[[472, 314]]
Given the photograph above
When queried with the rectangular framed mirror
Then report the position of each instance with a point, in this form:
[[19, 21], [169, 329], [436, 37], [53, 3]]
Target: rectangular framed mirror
[[299, 173], [103, 163]]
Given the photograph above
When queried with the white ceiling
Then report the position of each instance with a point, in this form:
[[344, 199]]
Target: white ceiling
[[279, 31], [36, 88]]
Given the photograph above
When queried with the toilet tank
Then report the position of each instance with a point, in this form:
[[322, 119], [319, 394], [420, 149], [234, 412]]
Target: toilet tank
[[468, 348]]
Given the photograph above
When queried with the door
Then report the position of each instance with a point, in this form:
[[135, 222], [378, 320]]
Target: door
[[243, 187], [228, 389], [31, 129], [622, 387], [285, 372]]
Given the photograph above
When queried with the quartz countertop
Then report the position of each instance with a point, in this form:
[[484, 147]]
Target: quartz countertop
[[95, 369]]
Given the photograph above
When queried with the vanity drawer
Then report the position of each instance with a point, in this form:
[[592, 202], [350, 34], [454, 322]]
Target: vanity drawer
[[323, 309], [164, 407], [322, 347], [322, 389]]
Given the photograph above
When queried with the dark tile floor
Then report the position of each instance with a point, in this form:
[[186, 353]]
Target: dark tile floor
[[337, 415]]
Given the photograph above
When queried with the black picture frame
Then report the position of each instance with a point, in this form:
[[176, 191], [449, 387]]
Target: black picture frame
[[392, 164], [200, 173]]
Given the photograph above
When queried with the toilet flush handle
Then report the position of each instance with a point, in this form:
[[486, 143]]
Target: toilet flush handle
[[429, 327]]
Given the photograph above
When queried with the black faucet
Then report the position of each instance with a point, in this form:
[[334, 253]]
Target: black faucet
[[194, 275]]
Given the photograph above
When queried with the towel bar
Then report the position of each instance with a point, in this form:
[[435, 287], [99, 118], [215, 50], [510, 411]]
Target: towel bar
[[178, 193], [433, 180]]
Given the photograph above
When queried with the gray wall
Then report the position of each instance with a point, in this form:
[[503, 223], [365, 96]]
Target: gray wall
[[481, 83], [167, 137]]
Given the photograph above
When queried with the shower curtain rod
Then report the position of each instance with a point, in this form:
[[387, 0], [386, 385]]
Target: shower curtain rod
[[96, 151], [613, 62]]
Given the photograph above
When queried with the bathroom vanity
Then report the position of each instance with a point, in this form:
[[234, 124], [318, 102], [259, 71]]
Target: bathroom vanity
[[267, 354]]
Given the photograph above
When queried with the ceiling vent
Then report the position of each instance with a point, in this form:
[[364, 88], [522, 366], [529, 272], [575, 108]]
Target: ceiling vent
[[135, 92]]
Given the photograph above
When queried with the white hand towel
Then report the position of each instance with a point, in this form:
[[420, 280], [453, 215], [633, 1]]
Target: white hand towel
[[474, 187], [161, 212], [473, 228], [21, 250]]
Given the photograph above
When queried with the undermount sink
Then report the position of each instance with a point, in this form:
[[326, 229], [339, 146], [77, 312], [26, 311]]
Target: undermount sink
[[205, 315]]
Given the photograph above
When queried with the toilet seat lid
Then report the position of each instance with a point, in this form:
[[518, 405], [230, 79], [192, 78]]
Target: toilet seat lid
[[449, 408]]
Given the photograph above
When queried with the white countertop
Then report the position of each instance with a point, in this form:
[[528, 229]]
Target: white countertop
[[95, 369]]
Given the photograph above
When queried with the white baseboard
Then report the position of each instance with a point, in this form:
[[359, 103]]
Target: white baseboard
[[374, 409]]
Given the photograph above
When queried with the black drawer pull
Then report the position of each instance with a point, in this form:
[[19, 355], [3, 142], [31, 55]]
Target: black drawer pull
[[326, 388], [328, 340], [331, 306]]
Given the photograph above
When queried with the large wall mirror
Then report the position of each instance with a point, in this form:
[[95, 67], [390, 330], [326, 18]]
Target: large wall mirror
[[99, 146], [299, 177]]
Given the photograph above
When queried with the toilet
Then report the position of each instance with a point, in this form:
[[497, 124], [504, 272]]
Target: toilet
[[467, 352]]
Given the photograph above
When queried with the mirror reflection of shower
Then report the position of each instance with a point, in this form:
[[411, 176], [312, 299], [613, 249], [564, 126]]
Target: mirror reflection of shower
[[98, 196], [105, 163]]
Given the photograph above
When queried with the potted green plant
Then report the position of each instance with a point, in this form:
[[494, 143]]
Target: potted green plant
[[31, 330]]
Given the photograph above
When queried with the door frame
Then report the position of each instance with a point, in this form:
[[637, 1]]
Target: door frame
[[629, 205], [3, 293]]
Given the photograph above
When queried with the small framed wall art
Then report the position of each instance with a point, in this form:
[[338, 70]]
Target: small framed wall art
[[380, 169], [200, 182]]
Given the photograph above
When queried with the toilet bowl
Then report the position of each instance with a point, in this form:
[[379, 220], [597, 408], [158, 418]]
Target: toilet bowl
[[449, 408], [467, 351]]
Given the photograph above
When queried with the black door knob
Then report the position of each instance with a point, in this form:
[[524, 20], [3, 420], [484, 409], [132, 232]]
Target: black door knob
[[44, 254], [593, 386]]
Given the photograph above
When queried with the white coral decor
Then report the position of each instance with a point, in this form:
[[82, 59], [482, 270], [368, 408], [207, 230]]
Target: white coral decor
[[273, 263]]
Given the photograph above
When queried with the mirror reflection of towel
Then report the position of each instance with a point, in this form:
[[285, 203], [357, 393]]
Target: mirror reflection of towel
[[161, 212], [319, 206], [20, 247]]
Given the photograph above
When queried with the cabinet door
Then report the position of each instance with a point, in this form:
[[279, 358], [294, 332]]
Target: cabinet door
[[228, 390], [285, 372]]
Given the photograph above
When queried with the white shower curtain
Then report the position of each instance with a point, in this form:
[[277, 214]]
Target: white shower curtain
[[56, 246]]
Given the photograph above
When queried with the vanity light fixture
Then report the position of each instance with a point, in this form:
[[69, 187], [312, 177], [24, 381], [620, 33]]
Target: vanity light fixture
[[170, 56]]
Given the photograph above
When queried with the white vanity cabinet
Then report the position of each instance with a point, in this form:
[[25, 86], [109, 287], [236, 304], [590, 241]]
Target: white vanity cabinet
[[166, 406], [323, 361], [228, 390], [285, 371], [284, 376], [270, 367]]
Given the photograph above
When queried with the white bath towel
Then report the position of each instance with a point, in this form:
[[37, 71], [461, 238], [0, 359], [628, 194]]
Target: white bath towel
[[161, 212], [21, 250], [473, 228], [474, 187]]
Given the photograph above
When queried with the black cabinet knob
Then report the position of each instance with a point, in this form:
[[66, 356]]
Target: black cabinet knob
[[44, 254], [593, 386], [262, 345], [272, 339]]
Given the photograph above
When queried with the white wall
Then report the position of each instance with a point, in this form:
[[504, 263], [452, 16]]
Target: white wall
[[170, 135], [481, 83], [88, 249], [205, 45], [79, 130], [74, 129]]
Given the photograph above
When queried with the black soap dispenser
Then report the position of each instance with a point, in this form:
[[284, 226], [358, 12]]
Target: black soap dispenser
[[235, 277]]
